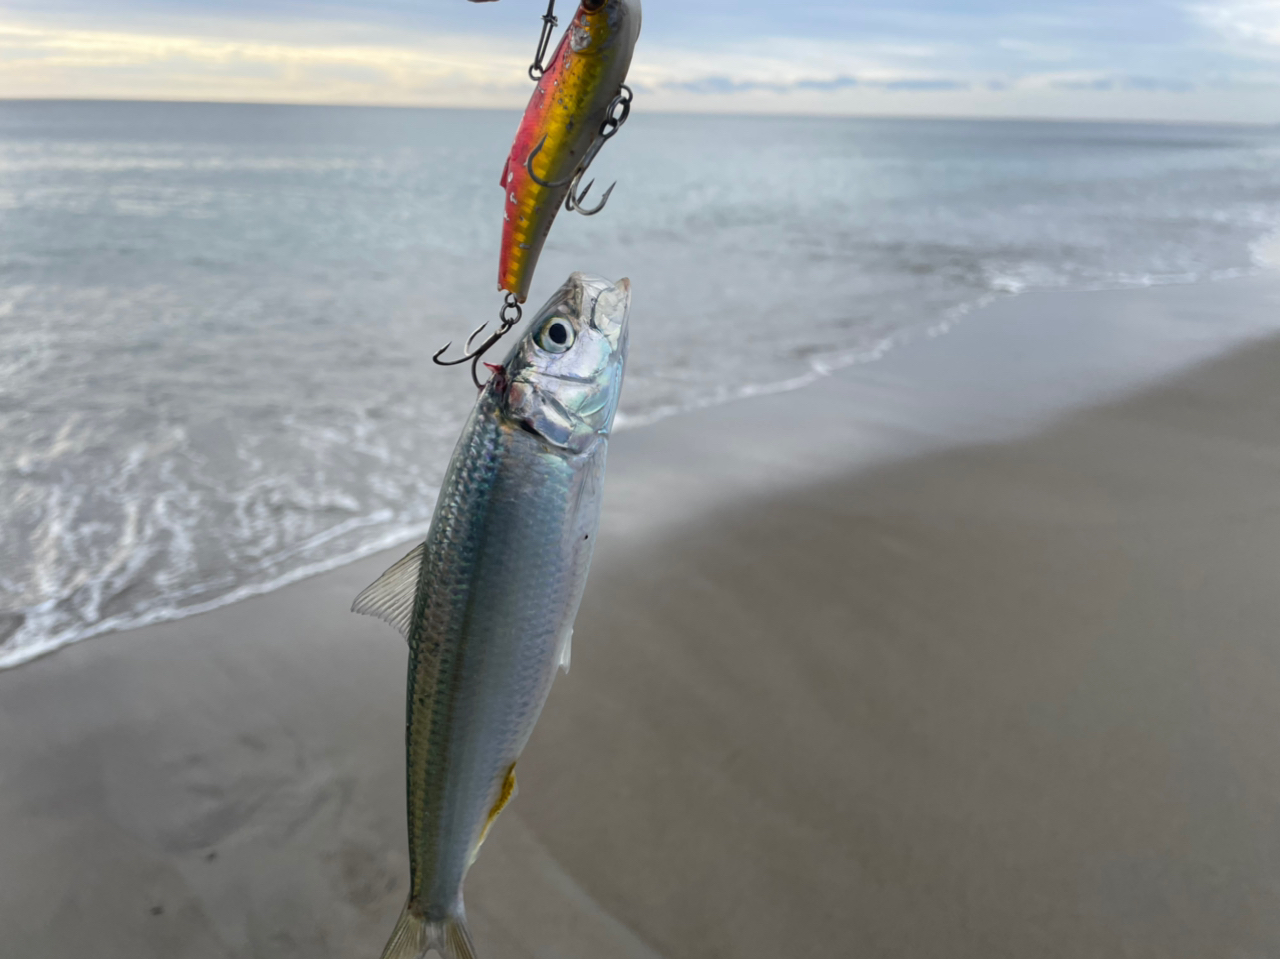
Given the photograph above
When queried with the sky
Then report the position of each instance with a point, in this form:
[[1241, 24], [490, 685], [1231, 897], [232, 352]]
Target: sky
[[1204, 60]]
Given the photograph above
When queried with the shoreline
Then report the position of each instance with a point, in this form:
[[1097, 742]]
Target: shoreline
[[995, 310], [972, 652]]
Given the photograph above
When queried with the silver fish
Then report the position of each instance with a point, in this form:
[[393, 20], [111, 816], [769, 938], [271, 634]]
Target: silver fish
[[487, 602]]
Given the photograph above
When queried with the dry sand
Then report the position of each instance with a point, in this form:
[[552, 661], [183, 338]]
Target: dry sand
[[836, 691]]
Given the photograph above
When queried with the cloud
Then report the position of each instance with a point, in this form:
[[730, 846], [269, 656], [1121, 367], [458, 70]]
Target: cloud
[[1104, 82], [1167, 84], [724, 84], [1037, 52], [987, 57], [51, 61], [1253, 24], [923, 84], [842, 82], [1096, 84]]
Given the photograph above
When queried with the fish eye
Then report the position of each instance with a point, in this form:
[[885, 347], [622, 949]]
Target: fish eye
[[556, 335]]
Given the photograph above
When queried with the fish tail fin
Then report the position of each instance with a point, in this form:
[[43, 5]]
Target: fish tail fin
[[413, 937], [409, 937], [452, 939]]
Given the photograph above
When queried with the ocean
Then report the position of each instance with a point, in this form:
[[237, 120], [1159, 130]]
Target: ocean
[[217, 321]]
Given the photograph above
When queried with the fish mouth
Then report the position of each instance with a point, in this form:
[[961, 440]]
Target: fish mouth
[[611, 310], [572, 378], [499, 377]]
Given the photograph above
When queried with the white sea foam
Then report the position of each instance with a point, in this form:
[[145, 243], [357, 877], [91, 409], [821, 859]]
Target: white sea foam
[[41, 634]]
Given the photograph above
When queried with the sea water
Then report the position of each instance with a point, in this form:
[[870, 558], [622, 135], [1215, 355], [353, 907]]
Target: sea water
[[217, 321]]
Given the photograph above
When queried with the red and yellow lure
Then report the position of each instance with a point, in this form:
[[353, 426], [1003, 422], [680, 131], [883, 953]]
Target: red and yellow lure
[[573, 111], [579, 102]]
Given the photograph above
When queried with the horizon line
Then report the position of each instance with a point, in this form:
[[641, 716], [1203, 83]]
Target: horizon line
[[763, 114]]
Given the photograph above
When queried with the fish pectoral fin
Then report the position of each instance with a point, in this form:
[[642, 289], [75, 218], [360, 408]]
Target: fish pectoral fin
[[566, 650], [390, 597], [414, 936], [507, 793]]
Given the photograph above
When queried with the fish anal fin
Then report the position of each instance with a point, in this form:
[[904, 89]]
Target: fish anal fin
[[505, 795], [391, 596], [509, 790]]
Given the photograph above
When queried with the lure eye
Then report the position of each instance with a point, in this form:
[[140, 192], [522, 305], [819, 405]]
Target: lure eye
[[556, 335], [591, 6]]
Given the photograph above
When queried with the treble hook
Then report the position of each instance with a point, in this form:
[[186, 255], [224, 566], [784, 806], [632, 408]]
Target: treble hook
[[528, 165], [608, 127], [571, 202], [574, 203], [509, 315]]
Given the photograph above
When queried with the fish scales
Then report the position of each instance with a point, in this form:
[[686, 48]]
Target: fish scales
[[510, 557]]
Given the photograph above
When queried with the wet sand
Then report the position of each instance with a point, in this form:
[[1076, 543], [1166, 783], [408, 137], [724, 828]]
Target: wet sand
[[906, 663]]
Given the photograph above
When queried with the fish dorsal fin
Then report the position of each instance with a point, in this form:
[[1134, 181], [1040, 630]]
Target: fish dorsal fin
[[390, 597], [566, 648]]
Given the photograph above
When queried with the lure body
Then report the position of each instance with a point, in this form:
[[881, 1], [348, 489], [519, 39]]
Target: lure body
[[488, 601], [564, 115]]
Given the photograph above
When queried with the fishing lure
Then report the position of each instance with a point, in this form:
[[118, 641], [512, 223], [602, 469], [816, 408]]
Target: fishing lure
[[580, 101]]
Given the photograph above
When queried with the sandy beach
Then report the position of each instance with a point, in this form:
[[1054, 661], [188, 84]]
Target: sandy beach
[[970, 652]]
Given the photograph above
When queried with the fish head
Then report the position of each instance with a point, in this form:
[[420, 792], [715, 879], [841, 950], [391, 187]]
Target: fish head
[[563, 377]]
